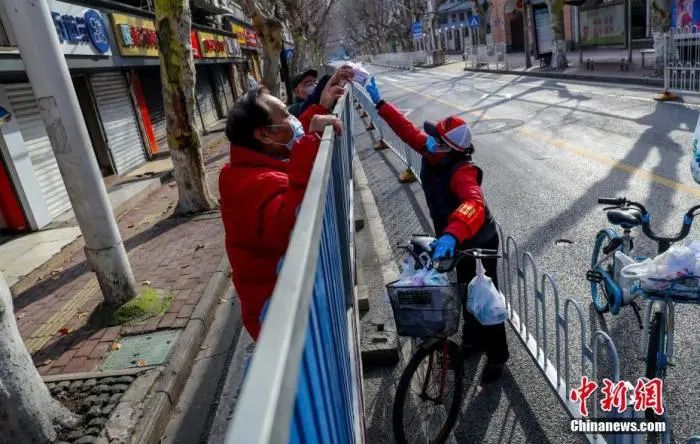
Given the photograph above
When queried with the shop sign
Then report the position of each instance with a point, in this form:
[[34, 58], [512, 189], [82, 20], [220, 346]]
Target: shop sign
[[136, 36], [232, 47], [212, 45], [194, 41], [250, 38], [240, 33], [603, 26], [81, 31]]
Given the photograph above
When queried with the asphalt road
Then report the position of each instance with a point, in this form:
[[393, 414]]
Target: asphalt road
[[549, 149]]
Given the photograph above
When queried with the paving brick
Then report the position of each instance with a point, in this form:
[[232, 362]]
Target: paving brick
[[100, 351], [167, 320], [186, 311], [176, 306], [76, 365], [86, 348], [111, 334], [65, 358]]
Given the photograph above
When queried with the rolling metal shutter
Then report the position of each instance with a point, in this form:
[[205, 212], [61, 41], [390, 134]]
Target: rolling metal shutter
[[26, 113], [118, 120], [153, 92], [205, 98], [227, 96]]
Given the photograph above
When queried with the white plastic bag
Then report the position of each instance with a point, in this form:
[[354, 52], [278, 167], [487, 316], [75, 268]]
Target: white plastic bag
[[484, 301], [676, 262]]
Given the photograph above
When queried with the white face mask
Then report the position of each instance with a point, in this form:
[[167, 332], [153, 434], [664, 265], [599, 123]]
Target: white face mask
[[308, 90]]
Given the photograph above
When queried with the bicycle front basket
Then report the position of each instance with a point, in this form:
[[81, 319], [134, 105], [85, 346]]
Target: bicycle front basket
[[430, 311]]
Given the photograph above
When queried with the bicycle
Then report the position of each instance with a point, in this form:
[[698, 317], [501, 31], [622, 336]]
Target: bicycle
[[435, 372], [611, 290]]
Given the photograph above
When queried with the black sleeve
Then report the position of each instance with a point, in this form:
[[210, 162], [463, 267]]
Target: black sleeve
[[315, 96]]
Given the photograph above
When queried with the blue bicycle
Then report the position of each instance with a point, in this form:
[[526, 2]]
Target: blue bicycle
[[611, 290]]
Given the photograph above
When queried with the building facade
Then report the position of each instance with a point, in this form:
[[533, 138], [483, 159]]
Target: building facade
[[117, 82]]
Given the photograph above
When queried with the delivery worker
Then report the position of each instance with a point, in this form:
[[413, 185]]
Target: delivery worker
[[461, 218], [272, 154]]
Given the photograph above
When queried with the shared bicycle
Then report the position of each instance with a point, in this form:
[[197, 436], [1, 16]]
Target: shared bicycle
[[430, 391], [611, 289]]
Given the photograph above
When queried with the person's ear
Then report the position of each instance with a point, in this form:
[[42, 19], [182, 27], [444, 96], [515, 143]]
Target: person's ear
[[261, 135]]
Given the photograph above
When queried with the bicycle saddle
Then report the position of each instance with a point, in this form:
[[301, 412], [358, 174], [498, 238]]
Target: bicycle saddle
[[625, 217], [422, 243]]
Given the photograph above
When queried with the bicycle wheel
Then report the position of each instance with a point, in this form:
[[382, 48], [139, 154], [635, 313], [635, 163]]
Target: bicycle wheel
[[598, 289], [429, 394], [656, 368]]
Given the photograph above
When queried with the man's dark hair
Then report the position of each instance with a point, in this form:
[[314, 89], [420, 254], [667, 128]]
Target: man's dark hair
[[247, 114]]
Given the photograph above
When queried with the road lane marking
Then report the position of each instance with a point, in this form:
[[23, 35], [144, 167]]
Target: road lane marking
[[574, 149]]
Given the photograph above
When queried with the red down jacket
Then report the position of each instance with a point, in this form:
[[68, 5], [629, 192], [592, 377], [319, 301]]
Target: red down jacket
[[468, 217], [260, 196]]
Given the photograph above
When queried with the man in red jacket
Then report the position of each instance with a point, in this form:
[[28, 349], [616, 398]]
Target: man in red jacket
[[272, 154], [461, 218]]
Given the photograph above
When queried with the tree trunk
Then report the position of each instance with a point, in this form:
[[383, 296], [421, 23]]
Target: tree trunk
[[28, 414], [270, 31], [173, 25], [556, 11]]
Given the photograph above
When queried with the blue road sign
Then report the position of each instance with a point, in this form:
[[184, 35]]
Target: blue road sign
[[417, 29], [475, 21]]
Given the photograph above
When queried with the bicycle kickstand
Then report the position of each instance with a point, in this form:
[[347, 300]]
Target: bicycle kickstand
[[637, 310]]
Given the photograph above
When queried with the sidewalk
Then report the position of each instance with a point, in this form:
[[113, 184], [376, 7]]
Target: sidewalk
[[176, 254], [21, 255], [606, 67]]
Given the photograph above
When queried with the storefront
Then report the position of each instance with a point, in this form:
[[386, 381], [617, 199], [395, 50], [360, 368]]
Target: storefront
[[114, 65]]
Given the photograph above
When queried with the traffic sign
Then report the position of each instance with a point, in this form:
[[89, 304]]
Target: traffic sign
[[417, 29], [475, 21]]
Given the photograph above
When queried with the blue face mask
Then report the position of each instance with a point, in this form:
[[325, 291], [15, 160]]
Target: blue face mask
[[297, 130]]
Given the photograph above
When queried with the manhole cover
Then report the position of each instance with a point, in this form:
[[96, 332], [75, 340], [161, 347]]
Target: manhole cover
[[494, 125], [141, 350]]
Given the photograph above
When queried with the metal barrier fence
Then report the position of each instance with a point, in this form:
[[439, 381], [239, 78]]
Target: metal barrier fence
[[489, 56], [534, 306], [682, 60], [399, 147], [407, 60], [304, 383]]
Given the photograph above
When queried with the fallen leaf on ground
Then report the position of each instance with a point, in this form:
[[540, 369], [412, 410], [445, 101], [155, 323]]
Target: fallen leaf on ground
[[198, 247], [115, 346], [172, 184], [82, 314], [20, 316], [204, 347], [130, 226], [186, 265], [57, 270], [47, 362], [146, 283], [141, 363], [64, 331], [222, 301]]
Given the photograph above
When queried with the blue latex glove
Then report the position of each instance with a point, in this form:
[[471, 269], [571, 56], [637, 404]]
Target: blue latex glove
[[444, 247], [431, 144], [373, 91]]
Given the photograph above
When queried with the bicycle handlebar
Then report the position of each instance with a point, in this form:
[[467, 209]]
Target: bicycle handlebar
[[646, 219], [476, 253]]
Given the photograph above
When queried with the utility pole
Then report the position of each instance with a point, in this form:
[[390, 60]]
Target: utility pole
[[48, 74]]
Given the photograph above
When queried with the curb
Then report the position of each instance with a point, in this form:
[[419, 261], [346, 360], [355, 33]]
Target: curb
[[642, 81], [158, 409]]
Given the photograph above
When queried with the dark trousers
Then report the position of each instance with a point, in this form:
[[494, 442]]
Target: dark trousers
[[489, 338]]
